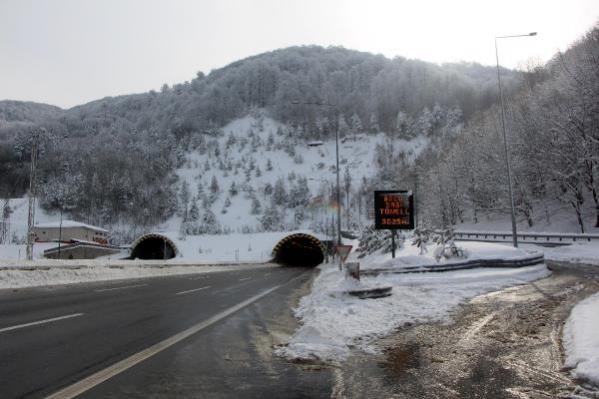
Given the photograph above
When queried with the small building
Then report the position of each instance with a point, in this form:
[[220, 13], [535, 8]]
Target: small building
[[68, 231], [81, 250]]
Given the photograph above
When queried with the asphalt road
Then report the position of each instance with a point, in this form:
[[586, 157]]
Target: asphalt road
[[202, 335]]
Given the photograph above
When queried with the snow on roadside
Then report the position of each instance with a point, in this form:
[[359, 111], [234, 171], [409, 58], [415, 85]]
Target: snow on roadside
[[575, 253], [581, 340], [72, 272], [410, 255], [333, 322]]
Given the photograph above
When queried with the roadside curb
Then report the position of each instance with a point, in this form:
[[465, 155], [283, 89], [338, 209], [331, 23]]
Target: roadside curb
[[471, 264]]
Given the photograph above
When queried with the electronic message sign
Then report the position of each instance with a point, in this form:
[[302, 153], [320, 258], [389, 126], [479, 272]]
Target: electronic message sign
[[393, 210]]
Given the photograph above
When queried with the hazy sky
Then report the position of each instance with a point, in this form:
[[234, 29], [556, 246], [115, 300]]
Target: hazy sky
[[67, 52]]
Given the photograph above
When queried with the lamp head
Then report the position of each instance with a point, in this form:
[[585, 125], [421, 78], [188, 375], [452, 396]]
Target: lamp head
[[532, 34]]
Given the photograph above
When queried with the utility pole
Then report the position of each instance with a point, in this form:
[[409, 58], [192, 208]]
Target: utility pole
[[338, 188], [31, 212], [335, 110], [505, 144]]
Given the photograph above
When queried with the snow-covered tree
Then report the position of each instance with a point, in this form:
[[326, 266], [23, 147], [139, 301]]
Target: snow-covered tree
[[233, 190], [184, 198], [214, 188], [271, 219], [279, 195], [256, 206]]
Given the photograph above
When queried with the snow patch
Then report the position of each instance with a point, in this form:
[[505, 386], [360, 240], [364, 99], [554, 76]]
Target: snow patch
[[333, 322], [581, 340]]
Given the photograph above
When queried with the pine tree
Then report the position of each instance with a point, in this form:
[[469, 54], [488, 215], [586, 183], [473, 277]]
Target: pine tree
[[184, 197], [271, 219], [256, 206], [374, 124], [194, 212], [209, 225], [356, 124], [233, 190], [214, 188], [268, 165], [299, 194], [268, 189]]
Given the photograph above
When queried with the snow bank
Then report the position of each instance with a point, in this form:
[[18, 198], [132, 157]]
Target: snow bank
[[581, 340], [333, 322], [409, 255], [71, 272], [575, 253]]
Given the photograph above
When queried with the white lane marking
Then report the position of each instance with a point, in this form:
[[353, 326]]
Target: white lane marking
[[35, 323], [194, 290], [245, 279], [120, 288], [99, 377]]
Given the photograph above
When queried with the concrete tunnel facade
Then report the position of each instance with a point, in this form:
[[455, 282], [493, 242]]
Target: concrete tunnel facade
[[153, 246], [299, 249], [295, 249]]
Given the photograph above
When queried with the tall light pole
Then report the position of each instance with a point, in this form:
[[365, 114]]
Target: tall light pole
[[505, 145], [338, 194]]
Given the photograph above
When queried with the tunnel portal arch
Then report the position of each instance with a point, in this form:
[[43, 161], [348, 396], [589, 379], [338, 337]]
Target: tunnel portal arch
[[153, 246], [299, 249]]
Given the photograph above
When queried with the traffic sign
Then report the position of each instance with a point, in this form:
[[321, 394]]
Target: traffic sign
[[393, 210], [343, 251]]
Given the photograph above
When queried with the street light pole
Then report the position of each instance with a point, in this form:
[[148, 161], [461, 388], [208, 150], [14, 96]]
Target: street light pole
[[338, 185], [505, 144], [338, 195]]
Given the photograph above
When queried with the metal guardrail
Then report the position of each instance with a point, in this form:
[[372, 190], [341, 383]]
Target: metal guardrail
[[531, 260], [531, 238]]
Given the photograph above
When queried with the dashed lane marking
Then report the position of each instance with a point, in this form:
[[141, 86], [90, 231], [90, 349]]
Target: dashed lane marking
[[194, 290], [120, 288], [35, 323], [117, 368], [99, 377]]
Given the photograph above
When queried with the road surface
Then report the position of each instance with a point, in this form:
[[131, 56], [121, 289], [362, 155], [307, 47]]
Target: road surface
[[504, 344], [202, 335]]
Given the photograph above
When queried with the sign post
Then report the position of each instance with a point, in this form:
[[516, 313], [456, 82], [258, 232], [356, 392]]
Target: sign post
[[393, 210], [343, 252]]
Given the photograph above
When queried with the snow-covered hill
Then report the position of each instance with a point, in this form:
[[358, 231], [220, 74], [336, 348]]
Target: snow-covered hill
[[254, 156]]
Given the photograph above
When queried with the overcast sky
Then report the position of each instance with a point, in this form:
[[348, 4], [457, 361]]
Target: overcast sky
[[68, 52]]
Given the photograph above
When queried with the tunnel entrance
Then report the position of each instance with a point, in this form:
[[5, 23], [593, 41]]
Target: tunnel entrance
[[153, 246], [299, 250]]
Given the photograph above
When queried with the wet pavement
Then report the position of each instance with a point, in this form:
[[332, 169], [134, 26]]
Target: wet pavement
[[231, 359]]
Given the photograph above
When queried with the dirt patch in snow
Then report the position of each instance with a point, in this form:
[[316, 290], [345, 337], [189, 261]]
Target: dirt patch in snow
[[504, 344]]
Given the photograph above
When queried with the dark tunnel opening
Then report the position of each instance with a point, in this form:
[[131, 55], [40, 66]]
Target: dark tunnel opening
[[301, 250], [154, 247]]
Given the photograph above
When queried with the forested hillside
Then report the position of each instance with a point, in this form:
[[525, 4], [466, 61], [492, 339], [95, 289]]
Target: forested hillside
[[553, 131], [115, 160], [115, 154]]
